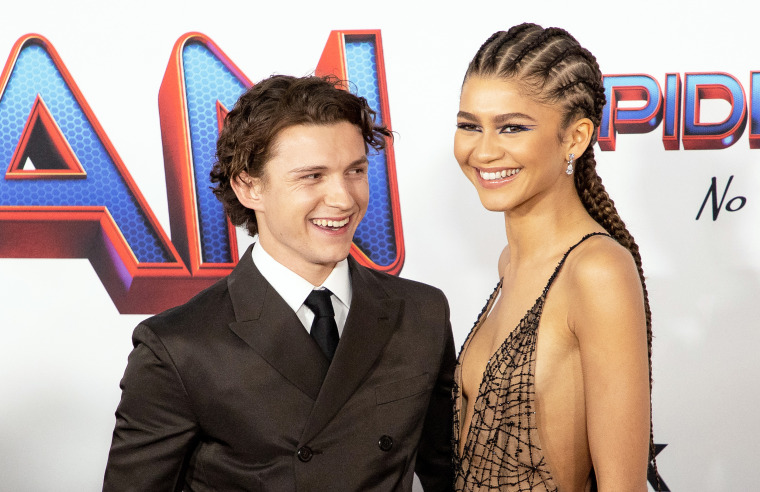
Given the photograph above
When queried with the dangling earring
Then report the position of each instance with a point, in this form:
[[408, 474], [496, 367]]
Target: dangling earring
[[570, 161]]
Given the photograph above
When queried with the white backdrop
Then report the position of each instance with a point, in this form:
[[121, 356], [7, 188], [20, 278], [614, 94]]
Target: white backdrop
[[63, 344]]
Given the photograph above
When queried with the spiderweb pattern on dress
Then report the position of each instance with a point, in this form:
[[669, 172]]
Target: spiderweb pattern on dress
[[502, 449]]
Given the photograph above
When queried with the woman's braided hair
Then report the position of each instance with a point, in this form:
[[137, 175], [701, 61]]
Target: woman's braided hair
[[555, 68]]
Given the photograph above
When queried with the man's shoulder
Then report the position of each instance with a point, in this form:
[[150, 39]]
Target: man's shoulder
[[209, 306], [425, 310], [401, 287]]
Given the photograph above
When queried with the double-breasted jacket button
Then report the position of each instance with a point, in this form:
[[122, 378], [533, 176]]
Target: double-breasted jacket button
[[304, 454], [385, 443]]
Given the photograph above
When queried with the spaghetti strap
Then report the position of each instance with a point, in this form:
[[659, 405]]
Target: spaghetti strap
[[564, 257]]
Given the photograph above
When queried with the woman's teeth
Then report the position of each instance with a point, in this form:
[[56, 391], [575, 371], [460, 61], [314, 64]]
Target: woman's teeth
[[330, 223], [489, 176]]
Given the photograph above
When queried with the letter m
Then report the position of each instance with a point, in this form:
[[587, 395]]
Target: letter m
[[67, 194]]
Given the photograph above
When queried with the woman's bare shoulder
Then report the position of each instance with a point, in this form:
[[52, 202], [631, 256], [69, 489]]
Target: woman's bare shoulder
[[600, 260], [604, 283]]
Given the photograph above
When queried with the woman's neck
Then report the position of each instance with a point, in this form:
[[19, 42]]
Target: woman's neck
[[544, 229]]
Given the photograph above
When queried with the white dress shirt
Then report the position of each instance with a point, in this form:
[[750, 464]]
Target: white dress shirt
[[294, 289]]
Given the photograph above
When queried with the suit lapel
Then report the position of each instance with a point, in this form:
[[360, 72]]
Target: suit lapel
[[267, 324], [372, 319]]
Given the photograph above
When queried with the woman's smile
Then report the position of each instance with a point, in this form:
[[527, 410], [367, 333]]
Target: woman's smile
[[495, 178]]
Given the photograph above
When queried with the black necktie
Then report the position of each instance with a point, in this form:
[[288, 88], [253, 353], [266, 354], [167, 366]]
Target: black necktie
[[324, 330]]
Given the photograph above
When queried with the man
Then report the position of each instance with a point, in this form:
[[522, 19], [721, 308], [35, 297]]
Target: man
[[231, 391]]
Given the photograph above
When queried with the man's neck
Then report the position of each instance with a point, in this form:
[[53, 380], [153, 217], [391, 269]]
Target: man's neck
[[314, 273]]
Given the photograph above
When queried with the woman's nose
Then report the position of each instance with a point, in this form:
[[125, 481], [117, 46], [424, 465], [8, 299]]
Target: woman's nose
[[488, 148]]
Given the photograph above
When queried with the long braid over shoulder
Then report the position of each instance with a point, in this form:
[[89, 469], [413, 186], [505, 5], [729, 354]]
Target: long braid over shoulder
[[553, 67]]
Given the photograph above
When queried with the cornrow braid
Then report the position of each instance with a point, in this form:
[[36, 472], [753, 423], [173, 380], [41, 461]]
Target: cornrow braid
[[562, 56], [540, 41], [561, 90], [484, 48], [602, 209], [484, 61], [557, 69]]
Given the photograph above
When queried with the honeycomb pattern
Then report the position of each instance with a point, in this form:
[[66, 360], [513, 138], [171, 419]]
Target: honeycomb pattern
[[374, 235], [207, 80], [33, 73]]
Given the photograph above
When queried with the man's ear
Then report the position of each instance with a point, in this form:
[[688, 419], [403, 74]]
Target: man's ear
[[248, 191], [580, 133]]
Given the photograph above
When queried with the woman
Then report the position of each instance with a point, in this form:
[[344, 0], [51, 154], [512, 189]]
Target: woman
[[567, 406]]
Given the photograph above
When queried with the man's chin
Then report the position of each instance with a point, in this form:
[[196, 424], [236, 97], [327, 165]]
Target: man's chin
[[333, 255]]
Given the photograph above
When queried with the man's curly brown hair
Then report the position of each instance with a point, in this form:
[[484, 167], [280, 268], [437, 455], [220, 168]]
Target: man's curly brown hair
[[263, 111]]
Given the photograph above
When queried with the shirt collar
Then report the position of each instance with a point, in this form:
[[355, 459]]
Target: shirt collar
[[293, 288]]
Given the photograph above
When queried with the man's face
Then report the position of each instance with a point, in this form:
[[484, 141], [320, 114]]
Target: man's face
[[312, 196]]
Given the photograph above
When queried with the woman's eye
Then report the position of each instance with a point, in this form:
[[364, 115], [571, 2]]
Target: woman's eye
[[513, 128], [468, 127]]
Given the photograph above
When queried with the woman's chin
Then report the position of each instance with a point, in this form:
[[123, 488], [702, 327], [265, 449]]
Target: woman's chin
[[494, 205]]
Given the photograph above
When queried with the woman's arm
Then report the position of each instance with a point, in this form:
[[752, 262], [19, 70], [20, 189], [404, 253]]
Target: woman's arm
[[607, 316]]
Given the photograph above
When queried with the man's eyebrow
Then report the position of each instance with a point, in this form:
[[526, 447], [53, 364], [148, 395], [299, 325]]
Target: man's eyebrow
[[316, 167], [361, 160], [307, 169]]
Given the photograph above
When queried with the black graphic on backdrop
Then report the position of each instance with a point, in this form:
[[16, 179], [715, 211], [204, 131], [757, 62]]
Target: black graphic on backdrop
[[733, 204]]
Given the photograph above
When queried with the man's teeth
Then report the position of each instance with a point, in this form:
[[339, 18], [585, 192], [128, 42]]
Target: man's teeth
[[498, 174], [330, 223]]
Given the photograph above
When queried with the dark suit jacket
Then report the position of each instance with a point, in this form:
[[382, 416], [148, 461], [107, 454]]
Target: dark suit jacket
[[229, 392]]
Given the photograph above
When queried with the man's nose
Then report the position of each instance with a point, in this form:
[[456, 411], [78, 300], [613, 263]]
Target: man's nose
[[338, 194]]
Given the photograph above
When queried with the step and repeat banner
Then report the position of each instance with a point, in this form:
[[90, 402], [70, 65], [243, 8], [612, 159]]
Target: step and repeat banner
[[108, 120]]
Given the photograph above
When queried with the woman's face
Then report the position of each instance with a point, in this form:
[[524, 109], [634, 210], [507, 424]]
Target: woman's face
[[508, 144]]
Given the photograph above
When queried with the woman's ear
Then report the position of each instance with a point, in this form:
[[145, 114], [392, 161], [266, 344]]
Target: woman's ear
[[247, 190], [580, 133]]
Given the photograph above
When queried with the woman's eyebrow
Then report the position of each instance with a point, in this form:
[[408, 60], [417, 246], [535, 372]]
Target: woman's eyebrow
[[499, 119], [467, 116], [506, 117]]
